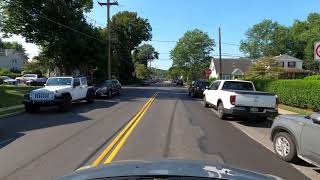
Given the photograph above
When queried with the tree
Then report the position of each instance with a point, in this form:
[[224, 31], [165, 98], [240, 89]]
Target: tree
[[267, 38], [12, 45], [174, 72], [128, 30], [192, 53], [141, 71], [265, 68], [144, 54]]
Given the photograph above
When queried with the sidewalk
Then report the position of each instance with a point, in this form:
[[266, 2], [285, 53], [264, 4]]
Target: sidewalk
[[282, 111]]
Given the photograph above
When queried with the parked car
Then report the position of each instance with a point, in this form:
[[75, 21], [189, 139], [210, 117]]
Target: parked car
[[240, 99], [108, 88], [8, 80], [295, 136], [38, 81], [145, 82], [197, 87], [179, 82], [59, 91], [27, 77]]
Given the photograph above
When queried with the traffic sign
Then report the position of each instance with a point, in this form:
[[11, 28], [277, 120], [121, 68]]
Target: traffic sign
[[317, 51]]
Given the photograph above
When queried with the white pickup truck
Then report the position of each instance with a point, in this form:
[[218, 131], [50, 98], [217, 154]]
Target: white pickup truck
[[240, 99], [59, 91]]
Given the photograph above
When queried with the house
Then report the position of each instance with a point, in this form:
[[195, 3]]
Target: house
[[231, 68], [292, 66], [11, 59]]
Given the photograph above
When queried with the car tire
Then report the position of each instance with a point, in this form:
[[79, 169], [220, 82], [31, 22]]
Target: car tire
[[193, 94], [118, 92], [90, 99], [206, 104], [285, 147], [66, 104], [220, 110], [31, 108]]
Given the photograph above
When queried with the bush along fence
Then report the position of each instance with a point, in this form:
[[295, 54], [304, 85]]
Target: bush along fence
[[297, 93]]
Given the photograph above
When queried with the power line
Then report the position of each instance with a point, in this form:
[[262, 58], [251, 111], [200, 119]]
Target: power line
[[171, 41]]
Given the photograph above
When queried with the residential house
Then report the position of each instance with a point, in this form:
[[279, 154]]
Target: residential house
[[11, 59], [291, 65], [231, 68]]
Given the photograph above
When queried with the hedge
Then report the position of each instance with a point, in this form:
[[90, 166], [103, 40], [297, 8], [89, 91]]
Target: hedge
[[296, 93], [313, 77]]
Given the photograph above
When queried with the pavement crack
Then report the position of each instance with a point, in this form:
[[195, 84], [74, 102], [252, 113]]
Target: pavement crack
[[168, 138]]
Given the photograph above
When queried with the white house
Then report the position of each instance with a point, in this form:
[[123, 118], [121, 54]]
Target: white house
[[231, 68], [289, 62], [11, 59]]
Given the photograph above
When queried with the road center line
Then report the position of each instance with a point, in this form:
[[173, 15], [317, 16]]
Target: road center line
[[122, 133]]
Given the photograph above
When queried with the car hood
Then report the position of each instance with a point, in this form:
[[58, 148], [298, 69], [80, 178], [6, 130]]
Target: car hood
[[164, 168], [10, 80], [53, 88]]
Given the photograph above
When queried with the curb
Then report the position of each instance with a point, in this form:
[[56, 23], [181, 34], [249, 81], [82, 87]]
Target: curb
[[20, 111]]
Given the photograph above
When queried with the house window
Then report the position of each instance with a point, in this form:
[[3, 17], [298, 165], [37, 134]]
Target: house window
[[226, 77], [291, 64]]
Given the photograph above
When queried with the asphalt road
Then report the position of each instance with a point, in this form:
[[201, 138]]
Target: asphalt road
[[171, 125]]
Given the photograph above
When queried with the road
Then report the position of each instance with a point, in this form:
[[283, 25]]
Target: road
[[169, 125]]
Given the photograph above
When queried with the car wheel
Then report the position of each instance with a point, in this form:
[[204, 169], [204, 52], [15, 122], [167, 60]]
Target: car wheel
[[118, 92], [221, 113], [193, 94], [285, 147], [206, 104], [90, 99], [31, 108], [66, 104]]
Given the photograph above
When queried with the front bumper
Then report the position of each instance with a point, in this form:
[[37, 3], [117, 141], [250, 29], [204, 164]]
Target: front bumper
[[44, 103], [247, 112]]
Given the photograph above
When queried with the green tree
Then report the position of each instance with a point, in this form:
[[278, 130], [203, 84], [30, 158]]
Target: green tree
[[174, 72], [267, 38], [12, 45], [141, 71], [192, 53], [128, 30], [265, 68], [144, 54]]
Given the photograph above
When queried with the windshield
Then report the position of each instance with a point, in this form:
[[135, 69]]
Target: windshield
[[59, 82], [233, 85], [139, 80]]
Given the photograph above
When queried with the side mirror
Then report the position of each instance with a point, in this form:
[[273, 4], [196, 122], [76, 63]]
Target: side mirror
[[207, 87], [315, 117]]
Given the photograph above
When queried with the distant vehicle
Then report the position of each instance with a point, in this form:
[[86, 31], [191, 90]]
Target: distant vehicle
[[179, 82], [59, 91], [39, 81], [296, 136], [240, 99], [27, 77], [146, 82], [108, 88], [165, 169], [197, 87], [8, 80]]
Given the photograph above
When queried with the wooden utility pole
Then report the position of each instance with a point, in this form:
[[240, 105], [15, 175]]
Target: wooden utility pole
[[108, 4], [220, 63]]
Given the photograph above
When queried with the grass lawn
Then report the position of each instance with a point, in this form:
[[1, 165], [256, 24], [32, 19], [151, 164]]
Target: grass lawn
[[296, 110], [13, 95]]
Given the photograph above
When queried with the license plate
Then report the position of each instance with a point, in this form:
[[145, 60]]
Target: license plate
[[254, 109]]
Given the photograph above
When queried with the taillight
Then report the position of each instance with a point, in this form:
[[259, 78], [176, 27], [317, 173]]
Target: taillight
[[233, 99], [277, 102]]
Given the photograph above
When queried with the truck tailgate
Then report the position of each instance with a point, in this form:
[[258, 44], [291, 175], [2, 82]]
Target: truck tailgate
[[255, 99]]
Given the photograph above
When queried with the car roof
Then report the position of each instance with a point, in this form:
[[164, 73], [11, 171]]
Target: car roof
[[234, 81]]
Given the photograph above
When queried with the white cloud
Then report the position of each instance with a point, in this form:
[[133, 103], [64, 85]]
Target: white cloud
[[32, 50]]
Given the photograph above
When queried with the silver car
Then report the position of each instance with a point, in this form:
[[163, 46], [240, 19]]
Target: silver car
[[296, 136]]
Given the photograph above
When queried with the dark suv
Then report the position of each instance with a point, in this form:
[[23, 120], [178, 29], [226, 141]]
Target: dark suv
[[197, 87], [108, 88]]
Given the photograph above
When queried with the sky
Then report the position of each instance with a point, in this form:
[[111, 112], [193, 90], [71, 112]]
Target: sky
[[170, 19]]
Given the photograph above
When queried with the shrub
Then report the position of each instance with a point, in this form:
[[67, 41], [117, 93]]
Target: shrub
[[211, 80], [313, 77], [297, 93]]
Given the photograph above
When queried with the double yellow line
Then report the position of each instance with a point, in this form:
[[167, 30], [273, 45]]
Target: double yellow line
[[114, 147]]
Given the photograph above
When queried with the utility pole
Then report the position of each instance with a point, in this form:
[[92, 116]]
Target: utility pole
[[108, 4], [220, 63]]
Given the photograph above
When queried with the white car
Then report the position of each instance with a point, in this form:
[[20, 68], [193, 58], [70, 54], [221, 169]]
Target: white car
[[27, 77], [240, 98], [8, 81], [59, 91]]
